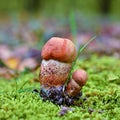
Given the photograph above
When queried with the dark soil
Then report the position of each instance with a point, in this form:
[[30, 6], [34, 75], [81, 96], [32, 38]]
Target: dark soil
[[57, 95]]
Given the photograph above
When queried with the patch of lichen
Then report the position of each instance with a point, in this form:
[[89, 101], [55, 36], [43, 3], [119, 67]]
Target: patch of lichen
[[102, 93]]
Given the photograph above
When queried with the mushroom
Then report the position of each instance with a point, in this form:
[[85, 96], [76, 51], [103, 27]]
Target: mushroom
[[58, 55], [79, 78]]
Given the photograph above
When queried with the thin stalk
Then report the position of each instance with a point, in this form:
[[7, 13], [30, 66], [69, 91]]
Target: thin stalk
[[79, 52], [73, 25], [23, 84], [26, 89]]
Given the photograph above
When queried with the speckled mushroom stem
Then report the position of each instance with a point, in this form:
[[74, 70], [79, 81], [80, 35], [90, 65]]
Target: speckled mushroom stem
[[53, 73]]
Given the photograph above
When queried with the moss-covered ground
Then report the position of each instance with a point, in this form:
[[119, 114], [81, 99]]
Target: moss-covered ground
[[102, 92]]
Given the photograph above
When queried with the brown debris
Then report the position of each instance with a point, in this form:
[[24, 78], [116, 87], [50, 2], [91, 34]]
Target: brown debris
[[64, 110], [7, 73]]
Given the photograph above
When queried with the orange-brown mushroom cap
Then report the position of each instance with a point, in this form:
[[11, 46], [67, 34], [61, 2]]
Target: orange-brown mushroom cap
[[80, 76], [59, 49]]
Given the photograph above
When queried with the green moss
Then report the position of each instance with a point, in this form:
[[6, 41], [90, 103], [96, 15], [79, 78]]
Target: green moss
[[102, 91]]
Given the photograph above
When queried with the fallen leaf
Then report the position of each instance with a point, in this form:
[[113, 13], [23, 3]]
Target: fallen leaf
[[12, 62], [29, 63], [7, 73]]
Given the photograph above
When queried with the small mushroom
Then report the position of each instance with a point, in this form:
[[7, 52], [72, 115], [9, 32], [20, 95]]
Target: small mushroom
[[79, 78], [58, 55]]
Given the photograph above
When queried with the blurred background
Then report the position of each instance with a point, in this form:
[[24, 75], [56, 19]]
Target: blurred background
[[25, 26]]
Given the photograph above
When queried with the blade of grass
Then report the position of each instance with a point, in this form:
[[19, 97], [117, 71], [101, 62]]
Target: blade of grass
[[16, 86], [24, 84], [74, 62], [73, 25], [25, 89]]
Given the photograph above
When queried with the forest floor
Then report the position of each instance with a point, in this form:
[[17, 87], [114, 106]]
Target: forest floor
[[100, 100]]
